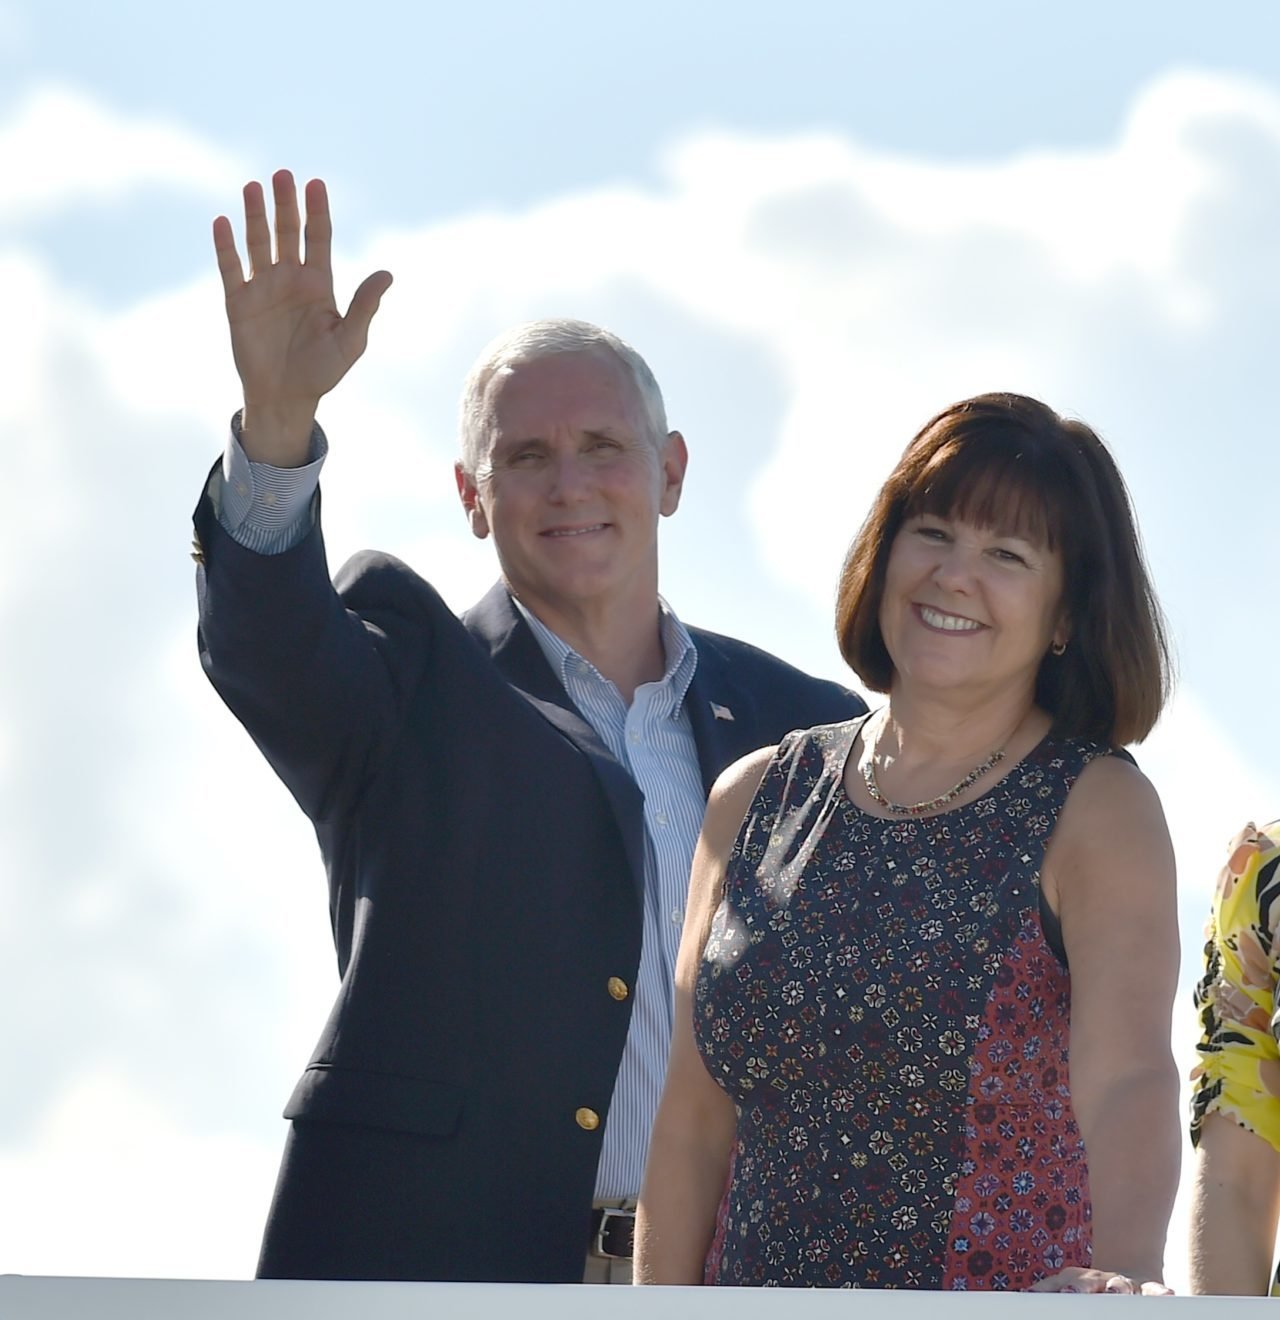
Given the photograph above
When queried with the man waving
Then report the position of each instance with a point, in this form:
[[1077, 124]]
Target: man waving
[[506, 803]]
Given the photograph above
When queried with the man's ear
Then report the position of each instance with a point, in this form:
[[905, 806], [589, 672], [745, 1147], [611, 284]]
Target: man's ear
[[470, 497], [674, 458]]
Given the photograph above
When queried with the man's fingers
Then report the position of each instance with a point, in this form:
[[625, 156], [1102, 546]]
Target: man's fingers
[[288, 227], [224, 245], [364, 304], [319, 232], [257, 236]]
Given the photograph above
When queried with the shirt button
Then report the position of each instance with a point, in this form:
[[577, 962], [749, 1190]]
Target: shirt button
[[618, 988], [241, 489], [269, 499], [661, 818], [587, 1119], [677, 916], [634, 735]]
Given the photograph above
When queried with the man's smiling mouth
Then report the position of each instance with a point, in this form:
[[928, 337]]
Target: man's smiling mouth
[[575, 531]]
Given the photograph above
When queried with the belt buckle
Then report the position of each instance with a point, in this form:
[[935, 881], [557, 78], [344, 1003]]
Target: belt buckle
[[607, 1213]]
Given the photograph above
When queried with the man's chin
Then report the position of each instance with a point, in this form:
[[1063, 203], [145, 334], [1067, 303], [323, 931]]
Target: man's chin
[[569, 594]]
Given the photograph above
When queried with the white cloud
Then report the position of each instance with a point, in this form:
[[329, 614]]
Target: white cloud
[[28, 347], [61, 148], [123, 1183]]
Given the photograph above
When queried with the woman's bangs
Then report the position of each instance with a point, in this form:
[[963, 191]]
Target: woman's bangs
[[1001, 491]]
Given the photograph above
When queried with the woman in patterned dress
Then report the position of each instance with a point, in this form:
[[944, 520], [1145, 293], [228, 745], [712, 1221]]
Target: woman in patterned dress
[[869, 1084], [1235, 1105]]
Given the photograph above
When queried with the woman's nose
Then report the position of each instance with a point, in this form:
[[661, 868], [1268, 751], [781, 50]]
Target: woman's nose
[[955, 569]]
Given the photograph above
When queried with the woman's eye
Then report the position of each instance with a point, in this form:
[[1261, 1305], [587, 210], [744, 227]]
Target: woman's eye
[[1009, 556]]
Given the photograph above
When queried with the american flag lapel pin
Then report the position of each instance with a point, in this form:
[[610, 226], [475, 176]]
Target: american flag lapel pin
[[721, 712]]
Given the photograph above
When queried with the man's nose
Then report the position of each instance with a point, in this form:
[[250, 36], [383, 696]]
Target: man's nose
[[570, 478]]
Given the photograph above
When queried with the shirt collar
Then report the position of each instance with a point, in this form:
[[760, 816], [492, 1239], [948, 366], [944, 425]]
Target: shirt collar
[[677, 646]]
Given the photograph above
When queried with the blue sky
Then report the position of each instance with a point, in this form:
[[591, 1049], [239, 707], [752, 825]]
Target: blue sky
[[820, 223]]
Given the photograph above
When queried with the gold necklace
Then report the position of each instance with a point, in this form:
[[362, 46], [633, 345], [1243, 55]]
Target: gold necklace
[[922, 808]]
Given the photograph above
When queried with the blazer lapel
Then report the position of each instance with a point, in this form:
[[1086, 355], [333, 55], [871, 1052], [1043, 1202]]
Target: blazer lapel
[[496, 624], [722, 713]]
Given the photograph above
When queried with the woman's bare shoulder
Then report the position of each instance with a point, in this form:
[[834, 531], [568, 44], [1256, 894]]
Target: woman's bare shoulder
[[732, 793]]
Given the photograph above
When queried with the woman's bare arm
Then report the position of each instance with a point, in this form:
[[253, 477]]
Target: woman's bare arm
[[1110, 873], [694, 1130]]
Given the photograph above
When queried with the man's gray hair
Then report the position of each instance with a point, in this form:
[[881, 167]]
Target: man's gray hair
[[538, 339]]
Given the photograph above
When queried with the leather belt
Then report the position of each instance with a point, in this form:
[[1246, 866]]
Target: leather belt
[[613, 1233]]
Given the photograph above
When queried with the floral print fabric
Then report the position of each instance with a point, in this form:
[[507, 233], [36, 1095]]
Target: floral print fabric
[[879, 1000], [1239, 1069]]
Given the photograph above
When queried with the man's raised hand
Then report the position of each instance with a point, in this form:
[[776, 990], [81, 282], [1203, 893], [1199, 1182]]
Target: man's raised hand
[[290, 344]]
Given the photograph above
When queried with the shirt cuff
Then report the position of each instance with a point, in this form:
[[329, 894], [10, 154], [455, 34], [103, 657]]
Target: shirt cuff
[[267, 509]]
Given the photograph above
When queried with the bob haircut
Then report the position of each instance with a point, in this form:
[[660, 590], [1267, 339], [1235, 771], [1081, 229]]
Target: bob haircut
[[1009, 462]]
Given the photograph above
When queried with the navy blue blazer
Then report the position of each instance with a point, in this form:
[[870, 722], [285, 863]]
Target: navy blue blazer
[[485, 858]]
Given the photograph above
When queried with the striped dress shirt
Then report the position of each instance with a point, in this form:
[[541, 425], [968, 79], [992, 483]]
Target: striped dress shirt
[[653, 739]]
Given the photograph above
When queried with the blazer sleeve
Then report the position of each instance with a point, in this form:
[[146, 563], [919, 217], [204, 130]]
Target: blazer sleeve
[[318, 672]]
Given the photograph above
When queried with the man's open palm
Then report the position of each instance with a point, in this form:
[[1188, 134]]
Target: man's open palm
[[290, 343]]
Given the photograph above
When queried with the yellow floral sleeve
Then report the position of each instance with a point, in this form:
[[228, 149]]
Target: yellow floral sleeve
[[1239, 1069]]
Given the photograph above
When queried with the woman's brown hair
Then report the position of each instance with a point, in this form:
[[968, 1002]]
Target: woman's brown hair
[[1007, 461]]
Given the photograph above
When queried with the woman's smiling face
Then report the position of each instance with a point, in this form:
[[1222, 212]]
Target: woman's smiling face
[[968, 606]]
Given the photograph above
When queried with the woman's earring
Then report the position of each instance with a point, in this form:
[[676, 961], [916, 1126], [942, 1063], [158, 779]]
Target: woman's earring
[[1058, 648]]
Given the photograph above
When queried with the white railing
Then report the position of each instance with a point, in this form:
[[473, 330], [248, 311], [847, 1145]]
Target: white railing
[[30, 1298]]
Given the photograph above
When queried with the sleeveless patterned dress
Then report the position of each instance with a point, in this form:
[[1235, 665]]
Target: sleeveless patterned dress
[[879, 1000]]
